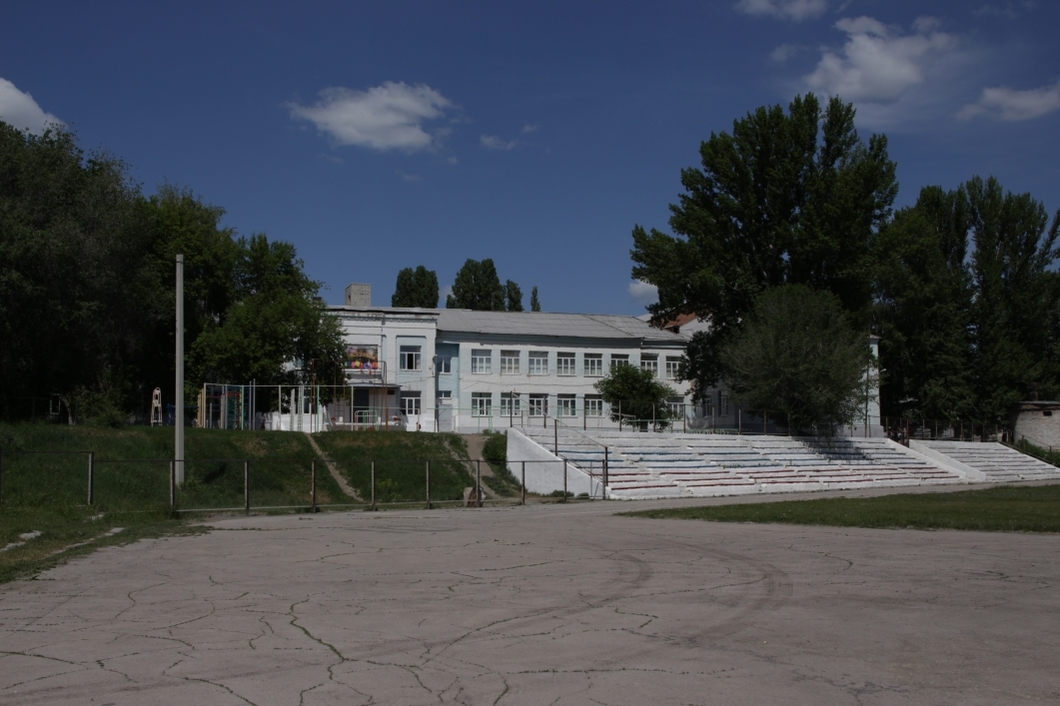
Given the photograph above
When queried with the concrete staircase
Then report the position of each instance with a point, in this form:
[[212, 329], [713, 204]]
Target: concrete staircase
[[998, 463]]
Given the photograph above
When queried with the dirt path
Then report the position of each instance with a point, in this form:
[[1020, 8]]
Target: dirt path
[[475, 442], [346, 488]]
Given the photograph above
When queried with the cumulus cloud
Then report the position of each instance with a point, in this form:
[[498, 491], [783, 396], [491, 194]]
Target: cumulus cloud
[[880, 63], [784, 52], [390, 116], [494, 142], [643, 293], [1009, 104], [20, 111], [784, 9]]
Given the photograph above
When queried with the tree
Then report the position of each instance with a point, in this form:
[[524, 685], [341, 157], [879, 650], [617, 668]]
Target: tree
[[477, 287], [923, 310], [513, 296], [1014, 297], [635, 394], [798, 355], [416, 288], [535, 304], [785, 198]]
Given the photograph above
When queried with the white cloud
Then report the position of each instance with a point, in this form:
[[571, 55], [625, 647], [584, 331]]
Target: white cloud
[[879, 63], [20, 111], [1009, 104], [784, 52], [390, 116], [494, 142], [529, 128], [784, 9], [1010, 10], [643, 293]]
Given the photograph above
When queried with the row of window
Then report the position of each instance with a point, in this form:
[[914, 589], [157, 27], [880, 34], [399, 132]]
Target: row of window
[[536, 405], [537, 363]]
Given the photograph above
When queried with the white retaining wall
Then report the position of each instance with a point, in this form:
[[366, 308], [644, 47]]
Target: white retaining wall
[[544, 470]]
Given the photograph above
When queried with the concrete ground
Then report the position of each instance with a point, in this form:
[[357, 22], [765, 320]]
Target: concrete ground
[[544, 604]]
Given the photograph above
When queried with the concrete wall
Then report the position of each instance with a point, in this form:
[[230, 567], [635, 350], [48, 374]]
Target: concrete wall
[[544, 471]]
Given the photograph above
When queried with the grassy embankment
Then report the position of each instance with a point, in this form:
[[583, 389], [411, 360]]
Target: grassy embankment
[[1003, 509]]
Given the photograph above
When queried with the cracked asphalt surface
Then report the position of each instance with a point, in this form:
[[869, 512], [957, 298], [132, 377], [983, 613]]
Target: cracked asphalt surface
[[544, 604]]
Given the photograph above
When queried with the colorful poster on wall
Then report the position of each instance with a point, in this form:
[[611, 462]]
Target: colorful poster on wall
[[362, 358]]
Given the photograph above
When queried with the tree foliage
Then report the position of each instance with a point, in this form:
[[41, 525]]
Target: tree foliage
[[416, 288], [87, 292], [798, 356], [790, 197], [635, 394], [968, 303], [477, 287], [535, 303]]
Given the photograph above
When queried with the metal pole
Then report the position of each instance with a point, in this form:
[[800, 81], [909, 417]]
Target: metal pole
[[522, 500], [373, 487], [555, 436], [172, 484], [246, 486], [428, 485], [564, 480], [604, 492], [91, 472], [313, 481], [1, 476], [478, 483], [178, 420]]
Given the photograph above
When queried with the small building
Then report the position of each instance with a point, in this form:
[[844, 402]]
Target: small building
[[1038, 422]]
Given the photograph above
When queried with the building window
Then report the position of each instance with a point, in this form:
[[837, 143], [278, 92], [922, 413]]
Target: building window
[[708, 407], [618, 359], [410, 403], [676, 406], [509, 362], [409, 358], [594, 406], [673, 368], [566, 406], [723, 404], [510, 404], [566, 364], [445, 365], [538, 405], [594, 365], [650, 361], [481, 404], [445, 394], [481, 361], [538, 363]]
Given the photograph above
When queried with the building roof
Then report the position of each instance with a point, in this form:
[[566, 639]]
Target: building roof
[[548, 324]]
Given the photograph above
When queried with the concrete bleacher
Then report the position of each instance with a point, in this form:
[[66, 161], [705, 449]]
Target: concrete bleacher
[[646, 465], [996, 462]]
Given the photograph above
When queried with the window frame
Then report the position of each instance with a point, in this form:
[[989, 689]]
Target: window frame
[[407, 354], [508, 357], [533, 365], [537, 405], [593, 365], [566, 364], [566, 405], [417, 405], [481, 404], [593, 406], [481, 361], [506, 402]]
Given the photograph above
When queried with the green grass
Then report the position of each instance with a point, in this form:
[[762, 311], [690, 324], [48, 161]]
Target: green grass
[[1003, 509], [400, 468]]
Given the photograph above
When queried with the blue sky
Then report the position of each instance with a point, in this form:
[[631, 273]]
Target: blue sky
[[381, 135]]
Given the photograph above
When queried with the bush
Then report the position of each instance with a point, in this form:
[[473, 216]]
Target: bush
[[495, 450]]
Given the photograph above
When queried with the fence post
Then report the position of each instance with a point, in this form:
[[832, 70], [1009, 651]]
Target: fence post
[[428, 485], [604, 491], [246, 486], [313, 481], [564, 480], [1, 476], [91, 474], [522, 500], [478, 483], [555, 437], [172, 484], [373, 487]]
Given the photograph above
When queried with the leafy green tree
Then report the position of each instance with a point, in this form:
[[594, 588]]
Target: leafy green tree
[[477, 287], [513, 296], [635, 394], [1014, 297], [923, 311], [798, 355], [790, 197], [416, 288], [535, 303]]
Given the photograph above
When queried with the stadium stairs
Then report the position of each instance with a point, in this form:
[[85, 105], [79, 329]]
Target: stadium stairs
[[645, 465]]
